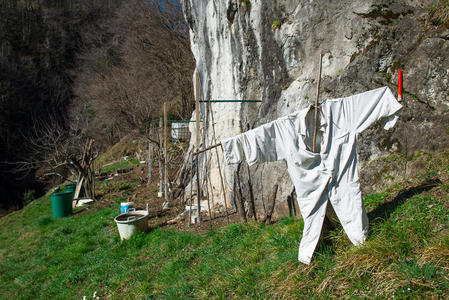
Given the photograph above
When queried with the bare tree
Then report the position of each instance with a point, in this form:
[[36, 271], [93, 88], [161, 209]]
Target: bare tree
[[146, 62], [61, 152], [171, 13], [175, 153]]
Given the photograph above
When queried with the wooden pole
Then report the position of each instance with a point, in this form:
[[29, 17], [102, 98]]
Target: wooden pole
[[211, 192], [208, 197], [165, 154], [150, 162], [207, 149], [198, 132], [239, 197], [252, 204], [191, 190], [159, 158], [315, 127]]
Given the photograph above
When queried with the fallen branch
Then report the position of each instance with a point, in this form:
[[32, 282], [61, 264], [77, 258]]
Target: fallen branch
[[54, 174], [180, 217]]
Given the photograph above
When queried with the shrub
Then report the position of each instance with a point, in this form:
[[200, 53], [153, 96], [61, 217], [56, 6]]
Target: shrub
[[28, 197]]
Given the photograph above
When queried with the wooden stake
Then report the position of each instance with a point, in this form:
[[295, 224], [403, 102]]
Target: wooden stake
[[208, 198], [160, 159], [165, 154], [191, 190], [239, 197], [252, 204], [315, 127], [211, 192], [78, 188], [150, 162], [207, 149], [291, 203], [198, 132]]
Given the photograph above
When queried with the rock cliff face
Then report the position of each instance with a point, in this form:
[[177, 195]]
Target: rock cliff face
[[269, 50]]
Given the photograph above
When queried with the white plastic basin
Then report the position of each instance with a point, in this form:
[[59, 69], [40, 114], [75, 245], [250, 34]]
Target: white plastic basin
[[131, 222]]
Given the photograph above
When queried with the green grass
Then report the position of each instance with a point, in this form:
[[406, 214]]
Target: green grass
[[276, 24], [406, 255], [125, 164]]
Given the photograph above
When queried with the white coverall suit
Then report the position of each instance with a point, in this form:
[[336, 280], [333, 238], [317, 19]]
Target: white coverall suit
[[331, 174]]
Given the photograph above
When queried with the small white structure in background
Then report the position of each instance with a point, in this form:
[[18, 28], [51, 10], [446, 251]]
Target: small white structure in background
[[180, 132]]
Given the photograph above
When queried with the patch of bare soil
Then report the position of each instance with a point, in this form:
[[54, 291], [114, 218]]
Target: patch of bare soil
[[133, 187]]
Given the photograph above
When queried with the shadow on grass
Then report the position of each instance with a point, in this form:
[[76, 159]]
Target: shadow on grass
[[378, 215], [384, 211]]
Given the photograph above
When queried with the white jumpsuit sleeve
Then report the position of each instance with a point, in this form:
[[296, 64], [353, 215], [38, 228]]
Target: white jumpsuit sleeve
[[364, 109], [262, 144]]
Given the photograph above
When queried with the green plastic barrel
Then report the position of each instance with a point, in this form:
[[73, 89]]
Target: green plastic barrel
[[71, 187], [61, 204]]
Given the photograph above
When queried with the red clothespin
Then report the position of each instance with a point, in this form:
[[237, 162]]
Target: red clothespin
[[400, 85]]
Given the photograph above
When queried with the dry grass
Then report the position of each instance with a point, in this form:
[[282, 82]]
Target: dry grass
[[127, 146], [439, 14], [438, 254]]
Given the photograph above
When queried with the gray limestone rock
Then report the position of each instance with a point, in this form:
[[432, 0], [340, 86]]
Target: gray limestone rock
[[269, 50]]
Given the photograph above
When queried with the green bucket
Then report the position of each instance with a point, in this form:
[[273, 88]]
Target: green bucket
[[71, 187], [61, 204]]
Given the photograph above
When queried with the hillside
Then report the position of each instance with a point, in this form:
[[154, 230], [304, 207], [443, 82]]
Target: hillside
[[99, 71], [406, 254], [102, 68]]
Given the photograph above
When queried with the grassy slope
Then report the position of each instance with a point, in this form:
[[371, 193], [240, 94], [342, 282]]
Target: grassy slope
[[406, 254]]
